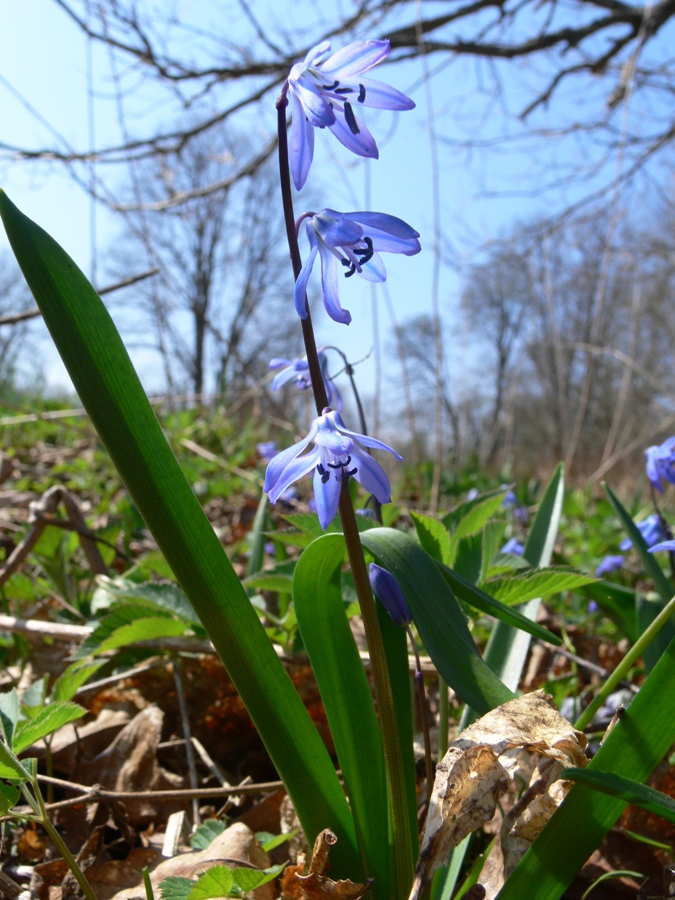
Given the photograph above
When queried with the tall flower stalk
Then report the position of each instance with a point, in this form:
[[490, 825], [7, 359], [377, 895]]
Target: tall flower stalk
[[383, 694]]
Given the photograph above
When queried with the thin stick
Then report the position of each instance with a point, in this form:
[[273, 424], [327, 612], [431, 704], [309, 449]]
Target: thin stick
[[189, 749]]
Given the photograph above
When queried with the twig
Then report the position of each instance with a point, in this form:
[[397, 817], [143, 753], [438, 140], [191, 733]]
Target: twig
[[187, 734]]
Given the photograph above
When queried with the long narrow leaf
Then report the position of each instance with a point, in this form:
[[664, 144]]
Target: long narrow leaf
[[110, 391], [438, 617], [328, 639], [625, 789]]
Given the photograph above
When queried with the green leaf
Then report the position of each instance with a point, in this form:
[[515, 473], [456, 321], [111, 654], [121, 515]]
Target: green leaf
[[207, 832], [113, 396], [507, 647], [71, 679], [493, 538], [535, 583], [33, 698], [646, 610], [9, 794], [151, 628], [166, 598], [474, 521], [649, 561], [250, 879], [217, 882], [461, 511], [337, 665], [469, 557], [48, 720], [271, 841], [634, 747], [176, 888], [433, 536], [9, 714], [478, 598], [257, 537], [438, 617], [618, 603], [10, 767], [271, 581], [625, 789]]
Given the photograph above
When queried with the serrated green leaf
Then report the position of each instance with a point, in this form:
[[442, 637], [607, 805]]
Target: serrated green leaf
[[10, 711], [478, 598], [10, 767], [535, 583], [625, 789], [433, 536], [176, 888], [469, 557], [151, 628], [165, 598], [474, 521], [493, 538], [217, 882], [250, 879], [48, 720], [207, 832], [271, 841], [451, 519], [34, 696], [71, 680], [9, 794]]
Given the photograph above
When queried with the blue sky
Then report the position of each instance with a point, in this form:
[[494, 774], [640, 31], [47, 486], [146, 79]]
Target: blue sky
[[481, 193]]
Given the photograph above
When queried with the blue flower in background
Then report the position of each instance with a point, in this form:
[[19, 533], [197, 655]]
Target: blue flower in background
[[651, 530], [388, 591], [510, 500], [354, 240], [324, 91], [513, 546], [663, 545], [297, 370], [267, 449], [608, 565], [660, 464], [337, 455]]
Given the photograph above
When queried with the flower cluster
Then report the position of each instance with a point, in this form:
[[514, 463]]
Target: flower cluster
[[660, 464]]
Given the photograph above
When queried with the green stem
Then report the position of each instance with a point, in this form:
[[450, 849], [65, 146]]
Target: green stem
[[443, 718], [62, 848], [626, 664], [393, 758]]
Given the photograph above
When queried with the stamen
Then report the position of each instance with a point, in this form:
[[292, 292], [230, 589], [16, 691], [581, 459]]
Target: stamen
[[340, 465], [350, 265], [344, 90], [350, 118], [368, 253], [323, 473], [346, 472], [332, 87], [362, 93]]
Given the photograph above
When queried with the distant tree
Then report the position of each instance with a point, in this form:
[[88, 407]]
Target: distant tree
[[15, 299]]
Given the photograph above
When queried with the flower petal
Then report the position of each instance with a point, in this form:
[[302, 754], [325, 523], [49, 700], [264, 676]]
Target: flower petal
[[382, 96], [364, 439], [283, 377], [343, 233], [316, 107], [315, 56], [278, 463], [374, 269], [362, 143], [370, 474], [300, 290], [327, 497], [664, 545], [329, 286], [293, 471], [355, 58], [301, 145], [382, 224]]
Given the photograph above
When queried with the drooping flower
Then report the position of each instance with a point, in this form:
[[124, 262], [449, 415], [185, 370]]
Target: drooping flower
[[663, 545], [660, 463], [297, 370], [513, 546], [608, 565], [337, 454], [354, 240], [388, 591], [651, 530], [267, 450], [325, 89]]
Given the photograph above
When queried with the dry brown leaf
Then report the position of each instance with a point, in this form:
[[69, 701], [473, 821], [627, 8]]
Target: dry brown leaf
[[477, 770], [315, 885]]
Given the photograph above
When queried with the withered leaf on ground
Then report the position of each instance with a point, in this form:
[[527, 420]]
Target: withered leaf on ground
[[315, 885], [478, 769]]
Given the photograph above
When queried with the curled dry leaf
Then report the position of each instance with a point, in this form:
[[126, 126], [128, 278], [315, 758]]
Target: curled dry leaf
[[315, 885], [478, 769]]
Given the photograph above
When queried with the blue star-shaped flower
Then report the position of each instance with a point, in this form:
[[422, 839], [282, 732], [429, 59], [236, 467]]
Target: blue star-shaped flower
[[324, 91], [297, 370], [336, 456], [660, 464], [354, 240]]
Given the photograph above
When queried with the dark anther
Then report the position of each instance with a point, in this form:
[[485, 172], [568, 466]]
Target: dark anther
[[362, 93], [350, 265], [333, 86], [344, 90], [323, 473], [340, 465], [365, 255], [350, 118], [347, 472]]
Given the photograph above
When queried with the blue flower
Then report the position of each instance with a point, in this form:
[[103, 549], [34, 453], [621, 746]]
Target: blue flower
[[651, 530], [336, 456], [513, 546], [510, 500], [663, 545], [324, 90], [355, 240], [660, 464], [388, 591], [297, 370], [267, 450], [608, 565]]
